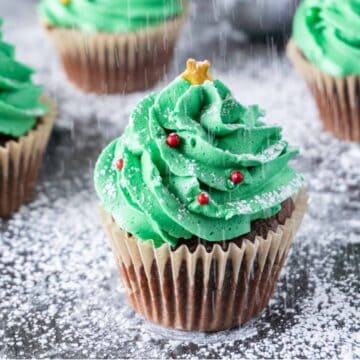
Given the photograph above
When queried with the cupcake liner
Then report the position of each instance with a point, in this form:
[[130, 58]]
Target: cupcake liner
[[205, 291], [20, 162], [337, 98], [116, 62]]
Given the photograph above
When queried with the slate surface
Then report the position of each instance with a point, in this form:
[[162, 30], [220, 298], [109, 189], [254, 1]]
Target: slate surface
[[60, 295]]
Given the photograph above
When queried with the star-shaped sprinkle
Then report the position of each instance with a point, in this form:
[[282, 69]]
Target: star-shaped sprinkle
[[196, 72]]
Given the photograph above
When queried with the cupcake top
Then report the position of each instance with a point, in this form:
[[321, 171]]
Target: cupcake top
[[108, 15], [328, 34], [194, 162], [20, 103]]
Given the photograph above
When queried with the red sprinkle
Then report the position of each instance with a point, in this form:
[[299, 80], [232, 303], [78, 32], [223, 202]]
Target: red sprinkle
[[173, 140], [203, 198], [236, 177], [119, 164]]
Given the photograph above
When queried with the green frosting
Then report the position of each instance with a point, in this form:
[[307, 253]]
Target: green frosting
[[108, 15], [328, 34], [19, 97], [154, 196]]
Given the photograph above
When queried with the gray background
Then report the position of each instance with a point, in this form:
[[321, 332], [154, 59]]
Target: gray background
[[60, 295]]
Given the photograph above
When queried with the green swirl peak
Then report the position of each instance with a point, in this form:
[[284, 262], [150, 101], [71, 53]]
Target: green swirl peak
[[194, 162], [19, 97], [328, 34], [108, 15]]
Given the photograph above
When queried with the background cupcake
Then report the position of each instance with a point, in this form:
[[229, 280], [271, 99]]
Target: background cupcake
[[200, 205], [25, 125], [325, 48], [113, 46], [65, 301]]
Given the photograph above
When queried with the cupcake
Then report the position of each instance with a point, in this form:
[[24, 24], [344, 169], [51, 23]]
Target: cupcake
[[26, 121], [325, 48], [200, 205], [113, 46]]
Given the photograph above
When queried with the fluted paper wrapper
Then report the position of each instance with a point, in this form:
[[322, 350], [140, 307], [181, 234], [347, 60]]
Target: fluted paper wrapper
[[116, 62], [337, 98], [20, 162], [205, 291]]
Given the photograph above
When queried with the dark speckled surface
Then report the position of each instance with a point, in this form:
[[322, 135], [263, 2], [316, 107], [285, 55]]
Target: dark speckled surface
[[60, 295]]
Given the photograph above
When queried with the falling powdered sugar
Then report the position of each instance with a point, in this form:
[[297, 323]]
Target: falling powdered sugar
[[60, 292]]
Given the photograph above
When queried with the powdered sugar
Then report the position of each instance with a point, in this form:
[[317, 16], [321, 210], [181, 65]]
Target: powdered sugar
[[60, 293]]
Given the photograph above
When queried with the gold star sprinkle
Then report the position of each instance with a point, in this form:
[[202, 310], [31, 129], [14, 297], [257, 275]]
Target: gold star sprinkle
[[196, 72], [65, 2]]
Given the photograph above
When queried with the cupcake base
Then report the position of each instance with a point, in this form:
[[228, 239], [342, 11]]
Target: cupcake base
[[106, 63], [20, 161], [201, 290], [337, 98]]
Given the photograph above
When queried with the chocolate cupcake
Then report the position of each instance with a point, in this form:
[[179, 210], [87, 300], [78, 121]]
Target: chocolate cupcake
[[113, 46], [26, 121], [200, 205], [325, 48]]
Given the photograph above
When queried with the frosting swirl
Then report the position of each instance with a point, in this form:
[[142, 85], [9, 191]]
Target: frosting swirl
[[328, 33], [151, 186], [108, 15], [19, 97]]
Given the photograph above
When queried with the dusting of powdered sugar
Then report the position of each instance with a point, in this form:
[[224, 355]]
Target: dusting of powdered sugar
[[60, 295]]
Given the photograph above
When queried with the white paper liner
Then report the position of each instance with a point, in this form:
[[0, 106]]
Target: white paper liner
[[20, 162], [206, 291], [337, 98]]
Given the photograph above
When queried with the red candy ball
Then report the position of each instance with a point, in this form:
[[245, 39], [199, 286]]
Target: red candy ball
[[173, 140], [119, 164], [203, 198], [236, 177]]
